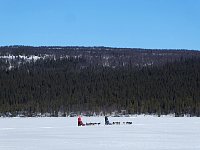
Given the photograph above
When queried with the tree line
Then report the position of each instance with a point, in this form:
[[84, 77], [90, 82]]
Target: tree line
[[64, 85]]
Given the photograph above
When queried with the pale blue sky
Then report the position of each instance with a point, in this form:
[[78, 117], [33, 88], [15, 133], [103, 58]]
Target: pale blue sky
[[115, 23]]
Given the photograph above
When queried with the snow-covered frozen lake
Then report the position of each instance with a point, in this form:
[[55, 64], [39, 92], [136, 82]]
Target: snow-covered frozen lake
[[146, 133]]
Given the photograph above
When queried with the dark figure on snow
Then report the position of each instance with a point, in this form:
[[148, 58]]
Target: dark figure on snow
[[80, 123], [107, 121]]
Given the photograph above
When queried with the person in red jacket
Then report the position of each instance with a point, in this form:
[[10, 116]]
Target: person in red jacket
[[80, 123]]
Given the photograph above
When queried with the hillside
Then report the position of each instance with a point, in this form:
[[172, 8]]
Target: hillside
[[95, 79], [95, 56]]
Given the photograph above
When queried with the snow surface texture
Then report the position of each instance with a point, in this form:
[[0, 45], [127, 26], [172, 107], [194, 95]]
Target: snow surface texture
[[146, 133]]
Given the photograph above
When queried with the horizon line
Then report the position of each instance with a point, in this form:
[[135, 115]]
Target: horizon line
[[111, 47]]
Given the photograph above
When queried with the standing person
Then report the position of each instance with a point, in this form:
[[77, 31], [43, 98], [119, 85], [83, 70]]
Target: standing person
[[80, 123], [107, 121]]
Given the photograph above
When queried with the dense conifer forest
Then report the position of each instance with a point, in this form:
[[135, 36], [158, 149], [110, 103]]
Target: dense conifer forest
[[99, 79]]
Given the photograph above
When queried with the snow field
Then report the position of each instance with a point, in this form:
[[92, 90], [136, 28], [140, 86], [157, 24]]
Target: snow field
[[146, 133]]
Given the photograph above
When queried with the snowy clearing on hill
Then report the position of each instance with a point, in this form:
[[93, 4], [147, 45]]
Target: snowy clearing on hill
[[146, 133]]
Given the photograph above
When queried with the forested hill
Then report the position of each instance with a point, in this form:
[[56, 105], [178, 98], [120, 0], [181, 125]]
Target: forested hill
[[94, 79], [93, 56]]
